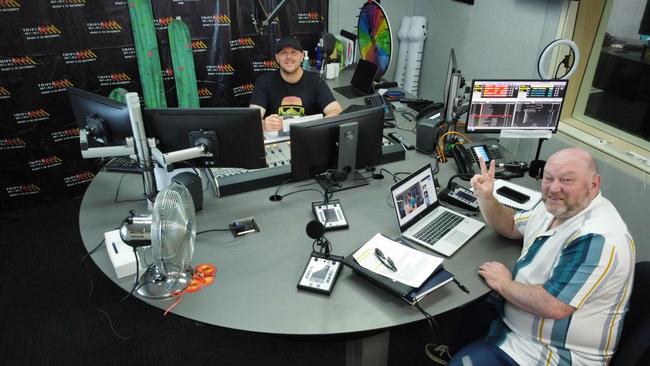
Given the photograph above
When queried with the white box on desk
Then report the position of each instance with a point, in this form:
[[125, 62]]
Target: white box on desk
[[121, 255]]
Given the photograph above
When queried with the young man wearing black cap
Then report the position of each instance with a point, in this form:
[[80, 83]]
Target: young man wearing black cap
[[290, 91]]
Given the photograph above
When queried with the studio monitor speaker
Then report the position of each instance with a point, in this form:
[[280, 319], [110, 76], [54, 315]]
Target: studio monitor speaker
[[193, 184], [426, 134]]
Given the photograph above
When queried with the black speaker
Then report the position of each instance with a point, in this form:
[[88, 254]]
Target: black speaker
[[426, 134], [193, 184]]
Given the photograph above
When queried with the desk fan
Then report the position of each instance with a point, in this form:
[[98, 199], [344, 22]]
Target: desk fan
[[374, 35], [171, 230]]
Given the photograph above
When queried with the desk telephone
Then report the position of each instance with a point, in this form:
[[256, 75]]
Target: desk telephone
[[467, 159]]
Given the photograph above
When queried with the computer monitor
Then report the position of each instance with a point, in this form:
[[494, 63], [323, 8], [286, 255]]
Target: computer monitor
[[233, 136], [450, 83], [498, 105], [317, 146], [106, 122]]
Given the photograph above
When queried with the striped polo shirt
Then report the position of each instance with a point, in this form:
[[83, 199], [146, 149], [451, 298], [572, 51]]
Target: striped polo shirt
[[586, 262]]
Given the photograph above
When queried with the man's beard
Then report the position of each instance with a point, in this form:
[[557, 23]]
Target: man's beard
[[568, 209]]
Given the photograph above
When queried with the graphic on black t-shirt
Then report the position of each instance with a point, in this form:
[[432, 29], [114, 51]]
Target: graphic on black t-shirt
[[290, 107]]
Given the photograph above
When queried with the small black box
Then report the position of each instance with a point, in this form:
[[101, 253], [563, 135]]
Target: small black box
[[193, 184], [426, 134]]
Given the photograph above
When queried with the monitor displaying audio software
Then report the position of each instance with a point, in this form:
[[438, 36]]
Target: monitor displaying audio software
[[497, 105]]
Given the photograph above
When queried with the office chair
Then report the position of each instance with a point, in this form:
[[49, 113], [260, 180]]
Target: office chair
[[634, 346]]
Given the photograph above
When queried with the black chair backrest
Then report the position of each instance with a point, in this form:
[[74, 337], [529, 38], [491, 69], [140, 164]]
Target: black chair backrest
[[634, 346]]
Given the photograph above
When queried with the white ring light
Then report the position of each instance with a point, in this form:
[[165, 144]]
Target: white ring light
[[547, 50]]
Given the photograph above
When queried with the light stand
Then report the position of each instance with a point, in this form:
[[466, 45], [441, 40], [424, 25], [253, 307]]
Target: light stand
[[536, 169]]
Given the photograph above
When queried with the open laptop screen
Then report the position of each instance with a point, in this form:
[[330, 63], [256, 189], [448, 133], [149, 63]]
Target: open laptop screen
[[415, 196]]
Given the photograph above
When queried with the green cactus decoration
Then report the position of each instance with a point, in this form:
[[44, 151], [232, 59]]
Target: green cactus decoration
[[146, 49], [118, 95], [183, 61]]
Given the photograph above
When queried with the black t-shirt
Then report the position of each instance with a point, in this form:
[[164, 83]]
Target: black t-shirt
[[308, 96]]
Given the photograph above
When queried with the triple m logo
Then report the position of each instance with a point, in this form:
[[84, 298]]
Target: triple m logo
[[104, 27], [9, 5], [55, 86], [244, 89], [22, 190], [17, 63], [35, 115], [218, 20], [242, 43], [43, 31], [118, 78], [80, 56], [58, 4], [12, 143], [163, 23], [45, 163]]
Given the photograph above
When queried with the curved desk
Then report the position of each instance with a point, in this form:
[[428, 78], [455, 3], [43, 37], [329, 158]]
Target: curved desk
[[255, 288]]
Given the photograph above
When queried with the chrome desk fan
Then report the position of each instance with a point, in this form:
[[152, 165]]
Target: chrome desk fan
[[171, 230]]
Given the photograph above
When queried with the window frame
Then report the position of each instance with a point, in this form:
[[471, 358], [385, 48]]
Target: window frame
[[591, 21]]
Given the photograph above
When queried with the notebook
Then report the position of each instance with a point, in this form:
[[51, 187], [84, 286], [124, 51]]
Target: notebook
[[407, 293], [535, 196], [424, 221]]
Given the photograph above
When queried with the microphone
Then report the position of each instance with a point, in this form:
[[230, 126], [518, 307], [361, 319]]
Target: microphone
[[275, 197], [338, 175], [315, 229], [514, 166]]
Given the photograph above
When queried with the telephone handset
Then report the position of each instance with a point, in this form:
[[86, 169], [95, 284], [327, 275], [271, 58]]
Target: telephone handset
[[465, 159]]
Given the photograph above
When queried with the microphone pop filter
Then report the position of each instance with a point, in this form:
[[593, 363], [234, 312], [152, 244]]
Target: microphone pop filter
[[315, 229]]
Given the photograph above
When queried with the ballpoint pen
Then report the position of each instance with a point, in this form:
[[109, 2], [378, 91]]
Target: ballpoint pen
[[386, 261]]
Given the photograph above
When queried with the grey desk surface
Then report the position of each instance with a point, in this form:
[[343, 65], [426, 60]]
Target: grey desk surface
[[255, 288]]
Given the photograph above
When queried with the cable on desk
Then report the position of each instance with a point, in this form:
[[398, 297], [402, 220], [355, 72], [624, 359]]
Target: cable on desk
[[210, 230], [117, 192]]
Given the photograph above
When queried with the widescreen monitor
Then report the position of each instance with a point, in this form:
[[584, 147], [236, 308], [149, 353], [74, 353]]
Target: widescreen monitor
[[315, 144], [232, 135], [106, 121], [498, 105]]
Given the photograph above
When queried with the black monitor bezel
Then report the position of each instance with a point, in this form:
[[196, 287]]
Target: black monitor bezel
[[242, 146], [498, 130], [319, 138], [119, 128]]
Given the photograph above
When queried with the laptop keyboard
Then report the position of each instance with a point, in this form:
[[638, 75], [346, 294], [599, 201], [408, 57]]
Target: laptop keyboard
[[377, 100], [438, 228]]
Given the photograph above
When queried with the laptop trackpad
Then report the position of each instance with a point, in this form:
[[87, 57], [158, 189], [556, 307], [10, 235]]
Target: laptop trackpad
[[456, 237]]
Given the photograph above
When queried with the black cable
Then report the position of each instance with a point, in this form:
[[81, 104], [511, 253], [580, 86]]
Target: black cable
[[211, 230], [433, 324], [302, 190], [110, 320], [117, 192], [280, 186]]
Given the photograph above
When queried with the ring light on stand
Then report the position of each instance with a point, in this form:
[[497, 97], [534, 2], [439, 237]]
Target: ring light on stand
[[547, 51]]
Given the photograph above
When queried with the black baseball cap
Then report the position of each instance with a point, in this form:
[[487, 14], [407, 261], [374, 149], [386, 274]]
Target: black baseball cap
[[288, 42]]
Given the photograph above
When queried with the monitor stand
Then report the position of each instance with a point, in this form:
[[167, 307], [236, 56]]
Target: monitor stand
[[348, 137]]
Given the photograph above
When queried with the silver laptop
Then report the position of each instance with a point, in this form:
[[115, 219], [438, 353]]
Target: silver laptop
[[424, 221]]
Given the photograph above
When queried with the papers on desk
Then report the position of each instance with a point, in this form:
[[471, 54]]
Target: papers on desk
[[278, 136], [413, 266]]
